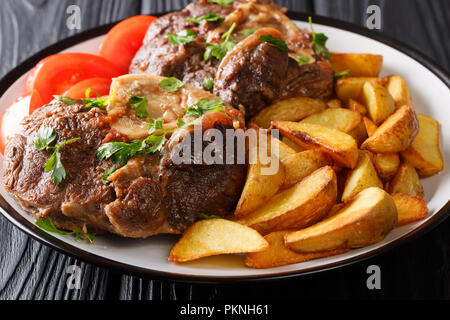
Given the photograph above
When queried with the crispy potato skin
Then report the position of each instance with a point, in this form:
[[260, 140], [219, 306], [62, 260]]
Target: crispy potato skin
[[292, 109], [358, 64], [406, 181], [351, 88], [395, 134], [297, 207], [399, 90], [409, 208], [216, 236], [259, 188], [364, 221], [279, 255], [341, 147], [424, 153], [378, 101], [386, 164]]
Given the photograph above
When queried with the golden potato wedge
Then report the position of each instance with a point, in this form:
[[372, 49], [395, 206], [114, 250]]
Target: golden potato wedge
[[370, 126], [292, 109], [399, 90], [279, 255], [409, 208], [258, 188], [362, 177], [216, 236], [356, 106], [395, 134], [378, 101], [351, 88], [424, 153], [340, 146], [335, 209], [386, 164], [292, 145], [284, 150], [364, 221], [334, 103], [299, 206], [406, 181], [358, 64], [301, 164]]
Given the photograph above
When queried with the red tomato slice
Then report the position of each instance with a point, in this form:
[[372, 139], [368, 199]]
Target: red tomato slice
[[124, 39], [57, 73], [98, 86], [11, 118], [35, 101]]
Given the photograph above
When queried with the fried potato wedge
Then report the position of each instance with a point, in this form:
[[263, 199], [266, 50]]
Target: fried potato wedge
[[284, 150], [334, 103], [216, 236], [358, 64], [301, 164], [357, 107], [292, 145], [351, 88], [409, 208], [364, 221], [399, 90], [370, 126], [292, 109], [279, 255], [424, 153], [406, 181], [395, 134], [340, 119], [335, 209], [378, 101], [362, 177], [386, 164], [259, 188], [297, 207], [340, 146]]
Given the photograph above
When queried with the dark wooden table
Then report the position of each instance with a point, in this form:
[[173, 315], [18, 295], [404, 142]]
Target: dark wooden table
[[30, 270]]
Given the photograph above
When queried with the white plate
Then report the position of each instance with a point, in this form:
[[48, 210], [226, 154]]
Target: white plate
[[430, 96]]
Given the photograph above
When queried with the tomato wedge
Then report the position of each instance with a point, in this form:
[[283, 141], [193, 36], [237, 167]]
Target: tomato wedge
[[35, 101], [124, 39], [98, 86], [57, 73], [11, 118]]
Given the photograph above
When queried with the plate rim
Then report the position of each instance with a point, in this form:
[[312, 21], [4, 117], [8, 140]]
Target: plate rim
[[30, 229]]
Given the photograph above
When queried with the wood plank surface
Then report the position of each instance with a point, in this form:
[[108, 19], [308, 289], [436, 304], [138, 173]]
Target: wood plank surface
[[30, 270]]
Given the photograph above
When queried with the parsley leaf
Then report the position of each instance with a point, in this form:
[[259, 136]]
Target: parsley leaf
[[208, 83], [46, 135], [274, 42], [211, 17], [100, 103], [202, 216], [47, 225], [339, 75], [182, 37], [108, 172], [55, 165], [247, 32], [65, 100], [302, 60], [219, 51], [227, 34], [139, 104], [319, 40], [203, 106], [171, 84], [223, 3]]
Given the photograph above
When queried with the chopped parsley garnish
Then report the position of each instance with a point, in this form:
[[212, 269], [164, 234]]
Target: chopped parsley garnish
[[274, 42], [210, 17], [171, 84], [204, 106], [64, 100], [319, 40], [107, 173], [208, 83], [339, 75], [203, 216], [47, 224], [223, 3], [302, 60], [247, 32], [139, 104], [219, 51], [182, 37], [100, 103], [46, 136]]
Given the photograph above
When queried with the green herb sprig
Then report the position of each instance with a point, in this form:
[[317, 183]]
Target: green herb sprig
[[171, 84], [274, 42], [182, 37], [345, 73], [139, 104], [223, 3], [319, 41], [210, 17], [47, 224], [219, 51]]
